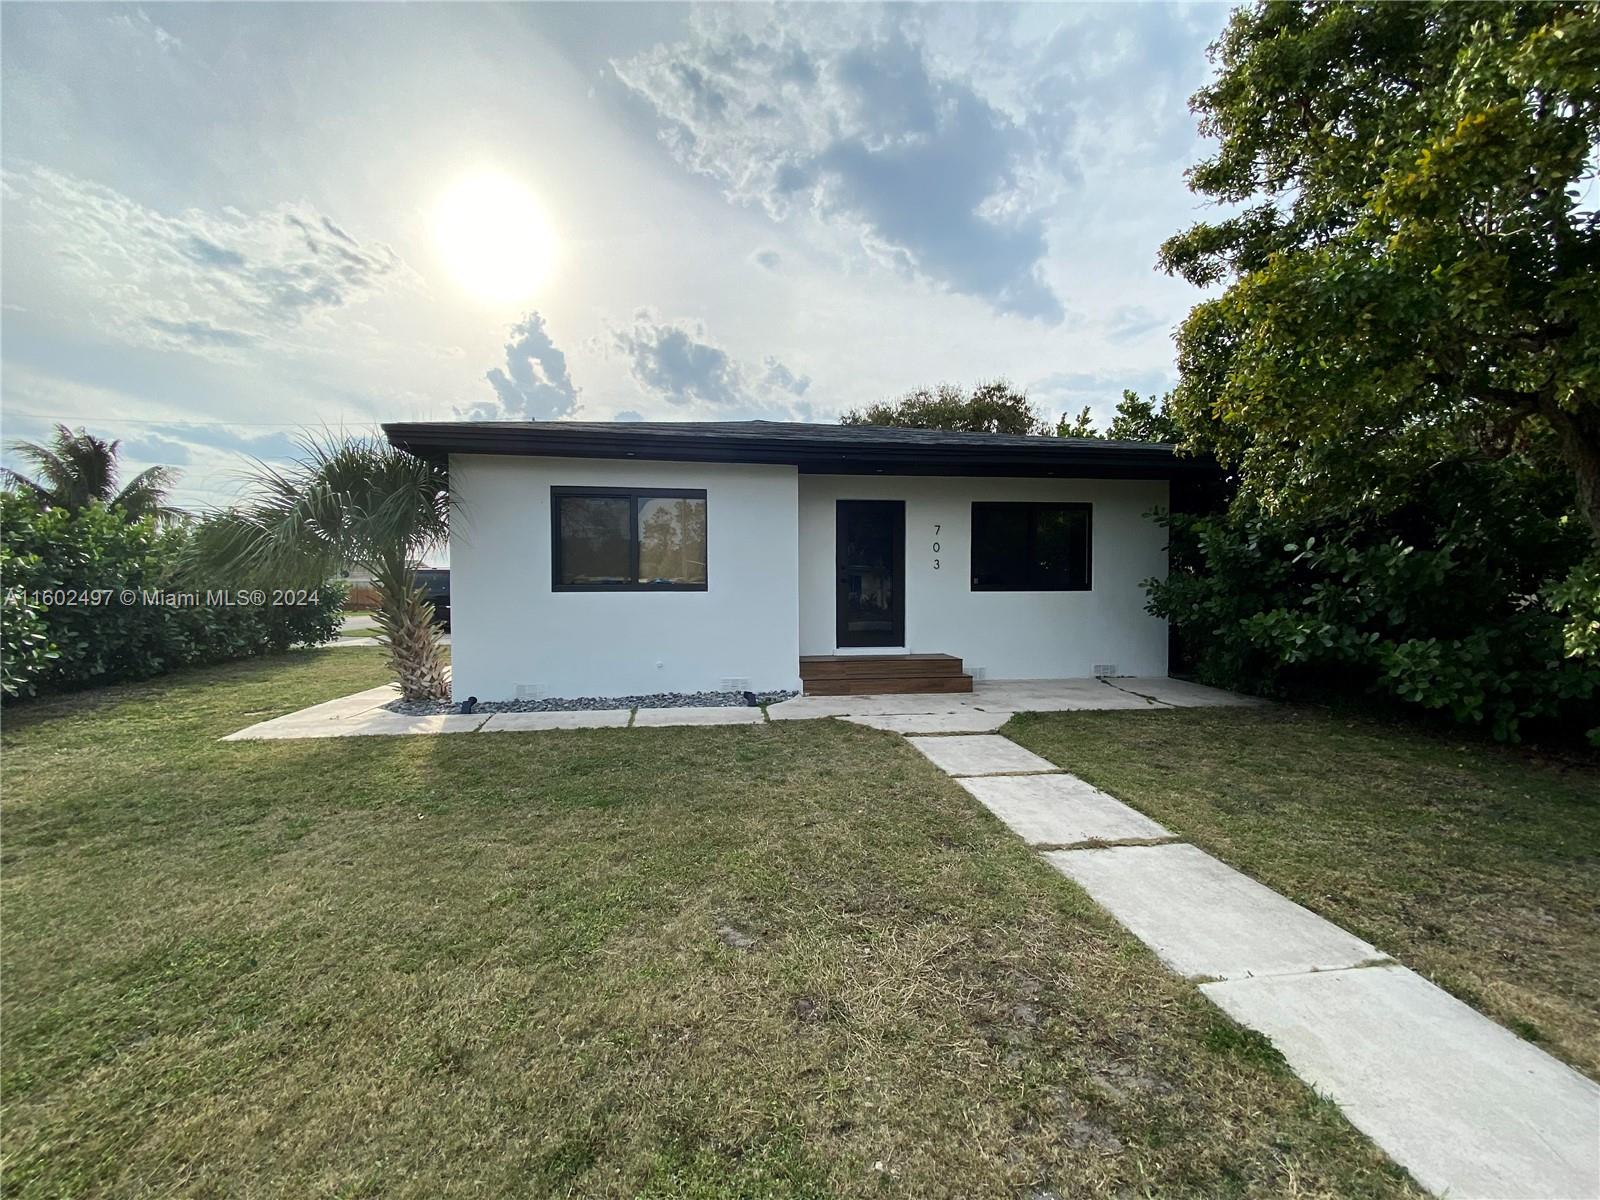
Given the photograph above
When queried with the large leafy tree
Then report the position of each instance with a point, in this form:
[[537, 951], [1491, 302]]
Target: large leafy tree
[[77, 469], [1411, 266], [350, 501], [993, 407]]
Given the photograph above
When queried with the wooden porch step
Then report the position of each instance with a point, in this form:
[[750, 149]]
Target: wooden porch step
[[870, 674], [843, 666], [869, 685]]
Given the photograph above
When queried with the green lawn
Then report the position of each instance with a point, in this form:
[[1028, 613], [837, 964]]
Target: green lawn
[[772, 961], [1477, 865]]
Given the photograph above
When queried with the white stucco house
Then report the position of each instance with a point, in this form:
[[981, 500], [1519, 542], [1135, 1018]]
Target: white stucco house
[[620, 559]]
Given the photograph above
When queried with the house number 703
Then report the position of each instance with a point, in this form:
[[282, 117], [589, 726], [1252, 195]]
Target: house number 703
[[936, 529]]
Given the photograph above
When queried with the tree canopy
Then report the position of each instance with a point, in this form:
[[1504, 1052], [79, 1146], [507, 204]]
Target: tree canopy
[[993, 407], [1410, 263]]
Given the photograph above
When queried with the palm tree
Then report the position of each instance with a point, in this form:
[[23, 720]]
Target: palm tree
[[348, 502], [77, 468]]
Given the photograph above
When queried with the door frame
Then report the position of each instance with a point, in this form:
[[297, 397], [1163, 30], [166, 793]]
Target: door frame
[[897, 636]]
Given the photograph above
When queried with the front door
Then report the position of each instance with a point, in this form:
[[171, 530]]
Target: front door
[[870, 545]]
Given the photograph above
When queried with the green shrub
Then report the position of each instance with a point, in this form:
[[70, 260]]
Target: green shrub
[[81, 607], [1447, 604]]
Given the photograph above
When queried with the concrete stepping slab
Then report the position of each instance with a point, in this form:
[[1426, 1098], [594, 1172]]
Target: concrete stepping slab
[[958, 722], [522, 722], [979, 754], [1469, 1108], [699, 715], [1203, 918], [1060, 810]]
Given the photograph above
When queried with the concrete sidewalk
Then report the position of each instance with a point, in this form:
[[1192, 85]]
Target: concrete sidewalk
[[1470, 1109]]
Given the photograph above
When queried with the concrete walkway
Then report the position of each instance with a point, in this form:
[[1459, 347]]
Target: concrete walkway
[[1469, 1108], [987, 708]]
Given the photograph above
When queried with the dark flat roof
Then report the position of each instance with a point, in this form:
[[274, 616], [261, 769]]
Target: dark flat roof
[[814, 449]]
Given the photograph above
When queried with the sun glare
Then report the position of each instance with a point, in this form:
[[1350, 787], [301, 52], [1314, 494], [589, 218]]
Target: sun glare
[[494, 238]]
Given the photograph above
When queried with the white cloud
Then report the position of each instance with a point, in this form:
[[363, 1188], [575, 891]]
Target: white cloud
[[861, 129], [211, 283], [535, 384], [678, 364]]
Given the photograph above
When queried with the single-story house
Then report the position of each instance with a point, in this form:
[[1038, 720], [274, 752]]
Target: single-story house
[[620, 559]]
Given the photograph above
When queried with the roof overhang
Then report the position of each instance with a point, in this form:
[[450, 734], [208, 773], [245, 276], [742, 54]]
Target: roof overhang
[[860, 451]]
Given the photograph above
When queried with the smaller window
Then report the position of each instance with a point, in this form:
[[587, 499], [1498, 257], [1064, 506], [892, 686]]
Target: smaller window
[[605, 539], [1030, 547]]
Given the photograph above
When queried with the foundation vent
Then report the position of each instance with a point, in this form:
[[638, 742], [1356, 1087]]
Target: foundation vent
[[978, 672], [735, 683], [529, 691], [1104, 669]]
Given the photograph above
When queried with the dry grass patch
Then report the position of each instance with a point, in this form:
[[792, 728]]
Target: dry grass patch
[[1473, 864], [789, 960]]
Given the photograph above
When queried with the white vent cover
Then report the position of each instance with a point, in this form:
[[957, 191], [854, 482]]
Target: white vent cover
[[735, 684], [978, 672], [529, 691], [1101, 669]]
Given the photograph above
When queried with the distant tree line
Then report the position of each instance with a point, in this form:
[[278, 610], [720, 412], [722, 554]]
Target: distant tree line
[[997, 406]]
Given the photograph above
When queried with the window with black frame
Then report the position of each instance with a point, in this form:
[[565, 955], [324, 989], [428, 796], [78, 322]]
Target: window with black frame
[[1030, 546], [610, 539]]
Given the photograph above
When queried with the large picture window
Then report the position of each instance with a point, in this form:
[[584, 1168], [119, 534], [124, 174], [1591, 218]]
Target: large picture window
[[611, 539], [1032, 547]]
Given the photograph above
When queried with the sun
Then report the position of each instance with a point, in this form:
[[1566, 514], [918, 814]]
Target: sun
[[494, 238]]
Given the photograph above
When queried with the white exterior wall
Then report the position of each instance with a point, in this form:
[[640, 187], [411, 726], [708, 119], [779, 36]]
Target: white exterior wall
[[1008, 635], [508, 627]]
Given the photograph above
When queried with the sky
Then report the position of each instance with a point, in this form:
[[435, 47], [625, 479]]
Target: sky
[[224, 225]]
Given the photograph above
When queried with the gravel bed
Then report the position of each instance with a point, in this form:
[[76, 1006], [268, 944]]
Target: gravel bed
[[428, 708]]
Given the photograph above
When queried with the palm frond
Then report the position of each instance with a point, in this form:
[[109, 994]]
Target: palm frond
[[146, 495], [345, 501]]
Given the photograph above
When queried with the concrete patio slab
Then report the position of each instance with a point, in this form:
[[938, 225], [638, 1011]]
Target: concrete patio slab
[[1059, 810], [806, 708], [702, 715], [329, 711], [1469, 1108], [398, 724], [1180, 693], [958, 722], [979, 754], [371, 724], [1011, 696], [522, 722], [1203, 918], [1056, 695]]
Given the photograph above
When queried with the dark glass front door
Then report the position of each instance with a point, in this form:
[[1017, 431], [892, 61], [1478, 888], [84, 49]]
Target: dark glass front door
[[871, 547]]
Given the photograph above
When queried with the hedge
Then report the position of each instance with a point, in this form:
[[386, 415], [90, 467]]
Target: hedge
[[1469, 603], [91, 598]]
